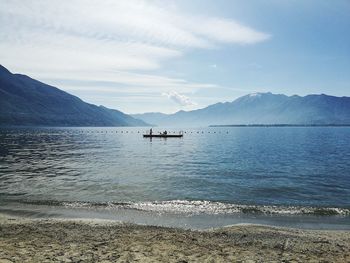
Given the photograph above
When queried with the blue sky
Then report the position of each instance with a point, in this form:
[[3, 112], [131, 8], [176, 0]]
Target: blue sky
[[142, 56]]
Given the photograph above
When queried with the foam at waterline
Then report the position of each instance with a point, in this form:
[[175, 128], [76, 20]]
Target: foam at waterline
[[208, 207]]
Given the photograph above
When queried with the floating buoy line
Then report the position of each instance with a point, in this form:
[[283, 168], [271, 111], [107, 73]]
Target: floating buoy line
[[155, 132], [116, 131]]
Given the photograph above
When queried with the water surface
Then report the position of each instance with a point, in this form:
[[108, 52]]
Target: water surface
[[218, 171]]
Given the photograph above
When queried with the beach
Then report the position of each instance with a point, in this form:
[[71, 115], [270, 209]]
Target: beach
[[81, 240]]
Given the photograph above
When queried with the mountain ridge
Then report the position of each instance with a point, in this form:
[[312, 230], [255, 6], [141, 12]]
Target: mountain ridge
[[28, 102], [25, 101], [263, 109]]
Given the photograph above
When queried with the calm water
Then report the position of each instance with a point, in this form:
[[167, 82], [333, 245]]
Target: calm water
[[282, 170]]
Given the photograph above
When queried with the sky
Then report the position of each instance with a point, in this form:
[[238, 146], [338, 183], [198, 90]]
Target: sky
[[166, 56]]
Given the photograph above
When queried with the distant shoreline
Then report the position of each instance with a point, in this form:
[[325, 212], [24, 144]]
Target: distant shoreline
[[281, 125], [211, 126]]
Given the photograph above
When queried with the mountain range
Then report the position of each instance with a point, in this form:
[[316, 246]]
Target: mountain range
[[27, 102], [261, 109]]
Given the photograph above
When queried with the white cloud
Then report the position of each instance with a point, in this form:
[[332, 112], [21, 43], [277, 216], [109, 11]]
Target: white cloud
[[121, 80], [179, 98], [229, 31]]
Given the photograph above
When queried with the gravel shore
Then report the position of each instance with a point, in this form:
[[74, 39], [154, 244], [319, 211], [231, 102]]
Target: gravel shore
[[28, 240]]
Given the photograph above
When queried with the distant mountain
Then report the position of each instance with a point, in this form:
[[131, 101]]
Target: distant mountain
[[153, 117], [262, 108], [28, 102]]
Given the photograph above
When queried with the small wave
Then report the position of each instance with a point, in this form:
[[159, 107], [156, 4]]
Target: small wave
[[208, 207], [200, 207]]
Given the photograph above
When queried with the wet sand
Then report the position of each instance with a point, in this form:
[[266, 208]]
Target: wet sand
[[29, 240]]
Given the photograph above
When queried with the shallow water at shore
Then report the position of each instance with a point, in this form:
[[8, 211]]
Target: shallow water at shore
[[182, 216]]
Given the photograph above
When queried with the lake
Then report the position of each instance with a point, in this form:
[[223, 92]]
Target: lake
[[212, 176]]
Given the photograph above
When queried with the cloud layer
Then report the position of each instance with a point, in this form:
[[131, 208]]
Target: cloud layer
[[110, 40]]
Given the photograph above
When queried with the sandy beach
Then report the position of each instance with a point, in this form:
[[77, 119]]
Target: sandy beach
[[51, 240]]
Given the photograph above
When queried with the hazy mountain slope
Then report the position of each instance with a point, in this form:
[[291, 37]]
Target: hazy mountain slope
[[264, 108], [153, 117], [25, 101]]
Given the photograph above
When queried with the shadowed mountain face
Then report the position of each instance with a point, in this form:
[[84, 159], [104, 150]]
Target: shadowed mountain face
[[262, 108], [28, 102]]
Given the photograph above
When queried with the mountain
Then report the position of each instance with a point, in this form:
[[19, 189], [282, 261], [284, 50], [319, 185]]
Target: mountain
[[152, 117], [262, 108], [28, 102]]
